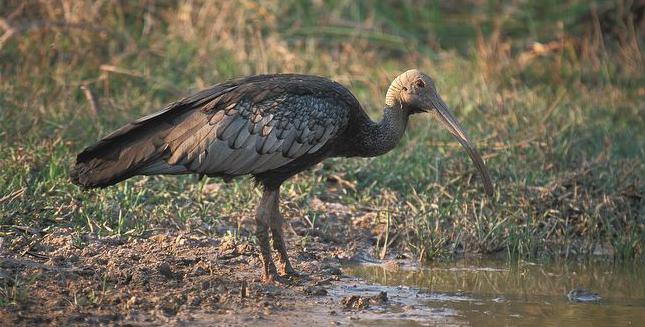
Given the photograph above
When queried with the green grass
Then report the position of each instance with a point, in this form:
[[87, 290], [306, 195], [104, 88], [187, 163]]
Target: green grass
[[563, 132]]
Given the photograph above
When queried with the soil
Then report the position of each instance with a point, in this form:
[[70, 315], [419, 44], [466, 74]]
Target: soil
[[179, 277]]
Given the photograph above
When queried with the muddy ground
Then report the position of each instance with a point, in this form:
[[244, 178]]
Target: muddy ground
[[180, 277]]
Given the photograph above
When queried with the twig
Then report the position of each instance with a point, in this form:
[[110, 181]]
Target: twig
[[16, 12], [91, 98], [9, 32], [386, 242], [121, 71], [13, 196], [552, 107]]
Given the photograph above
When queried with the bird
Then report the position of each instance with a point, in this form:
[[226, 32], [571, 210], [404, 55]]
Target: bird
[[271, 127]]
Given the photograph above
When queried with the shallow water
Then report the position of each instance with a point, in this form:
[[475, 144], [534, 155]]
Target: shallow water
[[494, 293]]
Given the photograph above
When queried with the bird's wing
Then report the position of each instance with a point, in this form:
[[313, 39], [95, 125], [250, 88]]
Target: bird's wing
[[252, 129]]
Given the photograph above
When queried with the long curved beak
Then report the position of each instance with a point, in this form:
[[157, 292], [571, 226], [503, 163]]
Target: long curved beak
[[451, 123]]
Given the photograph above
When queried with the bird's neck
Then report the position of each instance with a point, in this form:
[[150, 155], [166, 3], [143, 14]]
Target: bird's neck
[[378, 138]]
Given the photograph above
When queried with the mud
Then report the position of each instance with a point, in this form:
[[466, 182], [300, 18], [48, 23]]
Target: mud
[[175, 277]]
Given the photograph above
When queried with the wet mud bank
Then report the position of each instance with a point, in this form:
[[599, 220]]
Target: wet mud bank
[[173, 277]]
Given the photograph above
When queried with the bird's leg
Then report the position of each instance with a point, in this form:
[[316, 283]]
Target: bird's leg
[[262, 218], [275, 221], [284, 266]]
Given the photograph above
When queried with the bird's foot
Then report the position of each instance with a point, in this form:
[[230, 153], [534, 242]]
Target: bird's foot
[[274, 278], [284, 275], [284, 266], [288, 271]]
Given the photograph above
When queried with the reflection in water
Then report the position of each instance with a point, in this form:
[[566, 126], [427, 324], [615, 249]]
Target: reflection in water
[[493, 293]]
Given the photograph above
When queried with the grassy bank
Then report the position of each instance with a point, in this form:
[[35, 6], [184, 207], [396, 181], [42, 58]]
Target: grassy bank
[[560, 122]]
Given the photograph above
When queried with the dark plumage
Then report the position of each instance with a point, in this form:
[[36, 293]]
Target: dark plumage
[[268, 126]]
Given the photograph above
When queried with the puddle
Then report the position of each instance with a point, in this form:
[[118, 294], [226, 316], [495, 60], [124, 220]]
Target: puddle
[[405, 306], [493, 293]]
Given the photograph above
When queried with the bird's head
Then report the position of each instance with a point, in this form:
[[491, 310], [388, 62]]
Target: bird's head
[[415, 92]]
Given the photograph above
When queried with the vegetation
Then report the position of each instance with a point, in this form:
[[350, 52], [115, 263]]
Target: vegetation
[[551, 92]]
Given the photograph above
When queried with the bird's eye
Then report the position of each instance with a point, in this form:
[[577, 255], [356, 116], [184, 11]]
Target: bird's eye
[[420, 83], [405, 89]]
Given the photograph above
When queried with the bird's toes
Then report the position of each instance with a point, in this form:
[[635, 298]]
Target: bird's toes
[[290, 272], [274, 278]]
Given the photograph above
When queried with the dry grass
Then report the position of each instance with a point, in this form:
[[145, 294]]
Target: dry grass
[[560, 121]]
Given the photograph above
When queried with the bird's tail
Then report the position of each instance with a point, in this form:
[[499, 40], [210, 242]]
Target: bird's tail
[[135, 149], [139, 148]]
